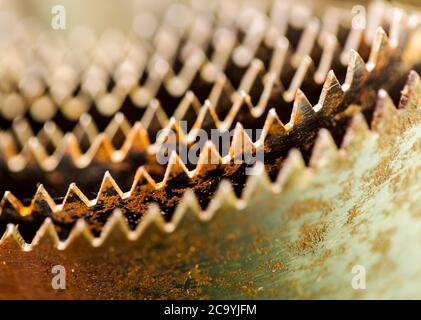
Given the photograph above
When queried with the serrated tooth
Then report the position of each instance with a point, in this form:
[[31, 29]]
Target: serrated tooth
[[42, 201], [206, 120], [356, 72], [330, 24], [9, 200], [101, 150], [137, 140], [221, 89], [273, 127], [410, 95], [278, 23], [141, 179], [22, 130], [331, 96], [209, 158], [189, 102], [291, 171], [356, 134], [241, 142], [298, 78], [69, 147], [119, 124], [45, 234], [50, 132], [33, 150], [385, 113], [244, 53], [325, 151], [173, 130], [329, 47], [251, 75], [395, 26], [74, 203], [278, 57], [174, 167], [108, 190], [177, 85], [115, 227], [374, 19], [7, 145], [86, 127], [154, 116], [306, 43], [223, 43], [380, 49], [352, 44], [302, 110]]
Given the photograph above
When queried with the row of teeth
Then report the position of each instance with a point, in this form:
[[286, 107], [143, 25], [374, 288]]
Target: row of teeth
[[157, 62], [21, 149], [325, 152], [387, 117], [331, 97]]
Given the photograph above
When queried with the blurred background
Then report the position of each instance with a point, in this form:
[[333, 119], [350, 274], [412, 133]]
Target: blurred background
[[99, 15]]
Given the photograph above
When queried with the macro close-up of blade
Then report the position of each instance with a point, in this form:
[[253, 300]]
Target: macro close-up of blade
[[105, 171]]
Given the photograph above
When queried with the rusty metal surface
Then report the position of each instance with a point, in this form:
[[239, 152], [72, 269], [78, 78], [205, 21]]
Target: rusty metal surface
[[358, 205], [293, 230]]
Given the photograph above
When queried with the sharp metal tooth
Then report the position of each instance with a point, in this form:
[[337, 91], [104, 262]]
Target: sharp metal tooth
[[50, 133], [292, 171], [9, 200], [356, 135], [206, 120], [74, 204], [69, 148], [306, 43], [380, 50], [175, 167], [278, 23], [251, 75], [86, 127], [119, 124], [325, 151], [356, 73], [396, 26], [374, 19], [410, 95], [7, 145], [172, 130], [101, 150], [22, 130], [154, 116], [109, 190], [137, 140], [331, 97], [223, 42], [329, 47], [178, 85], [189, 104], [278, 57], [385, 114], [42, 202], [298, 78], [209, 159], [273, 127], [141, 180], [302, 110], [241, 143], [352, 44], [244, 53]]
